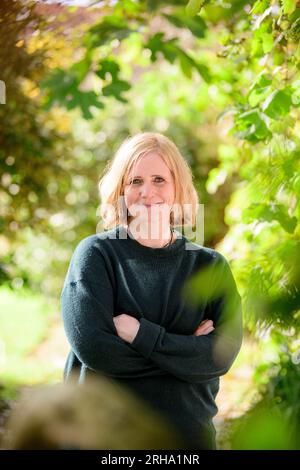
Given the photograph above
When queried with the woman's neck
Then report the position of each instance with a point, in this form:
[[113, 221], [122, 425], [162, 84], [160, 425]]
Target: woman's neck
[[153, 238]]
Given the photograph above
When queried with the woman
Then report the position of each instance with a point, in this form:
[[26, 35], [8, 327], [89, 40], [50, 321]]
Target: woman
[[125, 306]]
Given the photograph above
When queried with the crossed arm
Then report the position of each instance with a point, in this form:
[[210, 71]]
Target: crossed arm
[[124, 347], [206, 354], [127, 327], [89, 326]]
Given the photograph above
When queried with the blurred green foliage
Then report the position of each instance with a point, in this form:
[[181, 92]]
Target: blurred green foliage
[[24, 322], [274, 421]]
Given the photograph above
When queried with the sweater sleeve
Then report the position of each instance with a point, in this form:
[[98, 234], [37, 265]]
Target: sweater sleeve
[[199, 358], [87, 307]]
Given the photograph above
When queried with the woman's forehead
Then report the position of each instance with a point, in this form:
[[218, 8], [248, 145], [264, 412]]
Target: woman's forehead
[[151, 163]]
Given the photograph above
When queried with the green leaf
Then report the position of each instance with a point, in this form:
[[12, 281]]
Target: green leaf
[[108, 66], [194, 7], [262, 80], [295, 93], [262, 41], [131, 7], [111, 27], [62, 88], [293, 32], [278, 57], [256, 46], [172, 51], [259, 7], [185, 65], [288, 6], [269, 213], [277, 104], [216, 178], [59, 86], [203, 71], [267, 42], [85, 101], [116, 88], [257, 95], [81, 68], [251, 126], [196, 24], [157, 44]]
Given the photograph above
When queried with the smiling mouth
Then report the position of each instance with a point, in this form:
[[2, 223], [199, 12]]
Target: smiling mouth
[[155, 204]]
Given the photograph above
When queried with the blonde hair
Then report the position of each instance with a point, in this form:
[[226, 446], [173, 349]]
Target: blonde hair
[[111, 184]]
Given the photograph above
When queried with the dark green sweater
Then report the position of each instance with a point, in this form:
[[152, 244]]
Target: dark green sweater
[[176, 372]]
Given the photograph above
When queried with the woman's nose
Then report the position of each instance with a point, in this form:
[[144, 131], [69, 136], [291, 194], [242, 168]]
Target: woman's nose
[[146, 190]]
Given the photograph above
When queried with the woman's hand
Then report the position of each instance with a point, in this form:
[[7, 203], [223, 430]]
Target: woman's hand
[[205, 327], [126, 326]]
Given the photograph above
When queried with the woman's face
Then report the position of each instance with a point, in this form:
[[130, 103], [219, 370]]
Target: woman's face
[[150, 184]]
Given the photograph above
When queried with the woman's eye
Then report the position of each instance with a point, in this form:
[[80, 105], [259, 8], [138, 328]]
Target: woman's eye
[[137, 181]]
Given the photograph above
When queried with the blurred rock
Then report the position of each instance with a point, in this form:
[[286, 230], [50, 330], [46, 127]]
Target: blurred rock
[[97, 414]]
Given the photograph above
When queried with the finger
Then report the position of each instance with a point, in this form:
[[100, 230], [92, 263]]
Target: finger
[[207, 330], [207, 324], [204, 332]]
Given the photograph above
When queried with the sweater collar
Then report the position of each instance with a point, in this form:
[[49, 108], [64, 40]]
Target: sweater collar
[[174, 248]]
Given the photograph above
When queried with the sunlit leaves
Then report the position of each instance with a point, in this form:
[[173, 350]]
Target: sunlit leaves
[[267, 204], [129, 7], [188, 64], [194, 6], [288, 6], [116, 88], [293, 33], [251, 125], [262, 41], [64, 89], [81, 68], [217, 177], [196, 24], [260, 89], [277, 104], [110, 68], [157, 43], [111, 27], [270, 213], [273, 421], [172, 51], [215, 280], [260, 6], [264, 428], [257, 95]]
